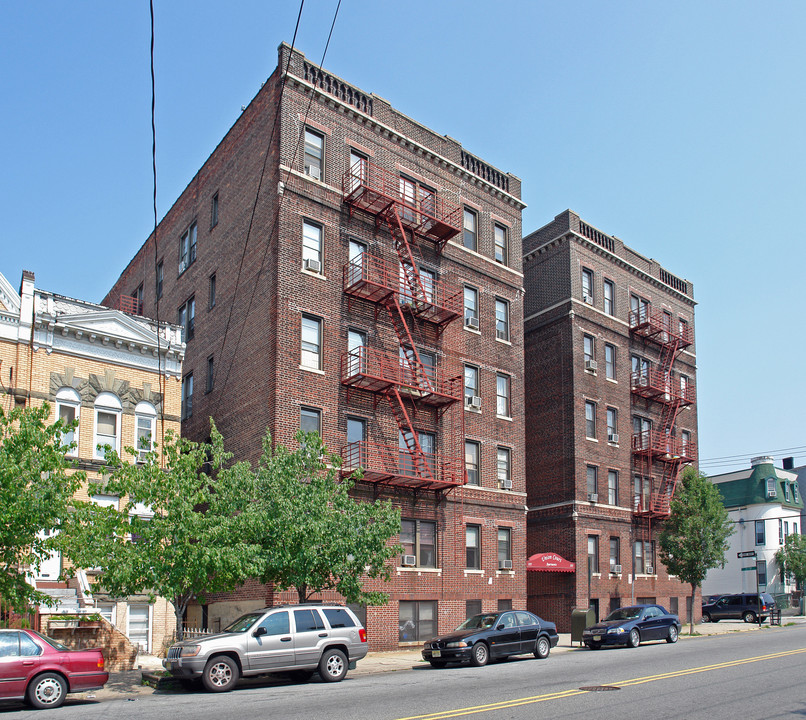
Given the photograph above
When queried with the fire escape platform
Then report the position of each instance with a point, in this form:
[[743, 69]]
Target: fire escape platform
[[657, 385], [654, 325]]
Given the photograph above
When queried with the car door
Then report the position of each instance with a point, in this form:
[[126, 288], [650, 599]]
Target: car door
[[506, 638], [529, 630], [12, 672], [310, 633], [274, 648], [721, 609], [652, 624]]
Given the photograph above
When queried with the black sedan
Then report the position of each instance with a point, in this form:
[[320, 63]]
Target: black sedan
[[633, 625], [492, 636]]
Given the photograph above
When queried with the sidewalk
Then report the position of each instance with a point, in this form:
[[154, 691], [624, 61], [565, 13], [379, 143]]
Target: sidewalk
[[128, 684]]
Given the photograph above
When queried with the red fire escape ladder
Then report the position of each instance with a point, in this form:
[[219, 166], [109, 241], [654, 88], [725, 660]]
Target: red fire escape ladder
[[420, 465]]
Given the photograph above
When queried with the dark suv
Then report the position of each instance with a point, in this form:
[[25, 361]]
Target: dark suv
[[743, 606]]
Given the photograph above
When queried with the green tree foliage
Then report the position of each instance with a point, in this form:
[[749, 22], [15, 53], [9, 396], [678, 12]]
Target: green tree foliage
[[314, 535], [792, 558], [695, 537], [36, 487], [176, 533]]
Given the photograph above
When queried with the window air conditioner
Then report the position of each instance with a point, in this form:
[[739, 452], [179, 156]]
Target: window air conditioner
[[312, 265], [409, 561], [593, 497], [587, 298], [650, 570], [772, 493], [501, 335], [473, 401], [591, 365], [506, 484], [183, 265], [612, 437], [313, 171], [505, 565], [616, 569], [472, 322]]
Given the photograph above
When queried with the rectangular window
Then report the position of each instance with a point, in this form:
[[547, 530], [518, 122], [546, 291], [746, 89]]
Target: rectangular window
[[504, 471], [590, 420], [787, 495], [417, 620], [593, 480], [612, 425], [640, 371], [685, 443], [589, 352], [760, 535], [593, 553], [311, 343], [780, 531], [472, 607], [144, 434], [211, 293], [639, 310], [501, 244], [473, 546], [587, 285], [761, 572], [501, 319], [643, 557], [310, 420], [214, 211], [610, 361], [612, 487], [160, 276], [210, 374], [138, 299], [187, 248], [504, 548], [358, 168], [67, 414], [471, 308], [106, 430], [419, 541], [470, 234], [314, 154], [472, 462], [609, 293], [502, 394], [615, 553], [186, 317], [472, 398], [311, 247], [187, 396], [641, 491], [428, 444], [356, 436]]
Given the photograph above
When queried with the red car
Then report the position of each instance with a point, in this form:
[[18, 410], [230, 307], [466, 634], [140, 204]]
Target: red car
[[42, 671]]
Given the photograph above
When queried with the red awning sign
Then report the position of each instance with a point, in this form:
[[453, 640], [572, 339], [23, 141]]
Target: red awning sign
[[550, 562]]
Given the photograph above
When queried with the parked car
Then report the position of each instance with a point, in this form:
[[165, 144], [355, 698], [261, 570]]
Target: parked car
[[741, 606], [300, 639], [709, 599], [493, 636], [633, 625], [41, 671]]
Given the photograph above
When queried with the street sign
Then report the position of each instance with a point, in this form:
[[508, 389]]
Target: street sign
[[747, 568], [746, 553]]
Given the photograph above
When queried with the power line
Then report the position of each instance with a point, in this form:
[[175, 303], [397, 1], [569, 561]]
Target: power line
[[754, 455]]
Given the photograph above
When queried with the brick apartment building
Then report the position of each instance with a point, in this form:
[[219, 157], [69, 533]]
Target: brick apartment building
[[610, 416], [339, 267], [101, 367]]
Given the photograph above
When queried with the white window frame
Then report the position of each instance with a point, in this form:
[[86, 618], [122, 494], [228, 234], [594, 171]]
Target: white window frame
[[187, 247], [144, 412], [503, 401], [501, 320], [313, 157], [310, 356], [67, 397], [501, 242], [470, 230], [110, 404], [312, 244], [187, 396]]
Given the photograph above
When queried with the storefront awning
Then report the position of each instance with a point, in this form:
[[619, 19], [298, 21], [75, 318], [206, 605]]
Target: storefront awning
[[550, 562]]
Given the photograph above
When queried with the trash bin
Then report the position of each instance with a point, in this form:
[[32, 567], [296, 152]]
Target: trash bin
[[580, 619]]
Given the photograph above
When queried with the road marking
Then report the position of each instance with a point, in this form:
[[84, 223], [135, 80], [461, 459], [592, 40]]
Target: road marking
[[562, 694]]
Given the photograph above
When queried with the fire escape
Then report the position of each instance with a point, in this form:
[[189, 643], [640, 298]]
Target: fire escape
[[411, 299], [659, 449]]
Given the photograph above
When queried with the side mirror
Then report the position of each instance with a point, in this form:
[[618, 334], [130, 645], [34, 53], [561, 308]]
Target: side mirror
[[260, 631], [500, 626]]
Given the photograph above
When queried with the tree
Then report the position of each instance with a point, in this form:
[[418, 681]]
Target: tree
[[791, 558], [36, 486], [314, 535], [176, 533], [695, 537]]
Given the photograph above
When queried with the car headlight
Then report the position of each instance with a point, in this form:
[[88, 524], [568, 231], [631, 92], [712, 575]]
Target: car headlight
[[190, 651], [615, 631], [457, 644], [427, 646]]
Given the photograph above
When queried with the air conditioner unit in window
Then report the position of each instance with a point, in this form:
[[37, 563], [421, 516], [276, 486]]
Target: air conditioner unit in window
[[587, 298], [312, 265], [650, 570], [506, 484], [616, 569], [612, 437], [591, 365], [183, 265], [409, 561], [593, 497], [472, 322], [505, 565], [502, 334], [473, 401], [771, 493], [313, 171]]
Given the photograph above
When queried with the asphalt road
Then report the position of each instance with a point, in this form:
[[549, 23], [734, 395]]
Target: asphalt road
[[742, 675]]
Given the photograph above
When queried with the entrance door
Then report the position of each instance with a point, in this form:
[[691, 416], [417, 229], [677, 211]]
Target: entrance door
[[138, 631], [51, 565]]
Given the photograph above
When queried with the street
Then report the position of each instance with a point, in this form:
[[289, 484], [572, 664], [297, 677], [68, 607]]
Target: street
[[747, 675]]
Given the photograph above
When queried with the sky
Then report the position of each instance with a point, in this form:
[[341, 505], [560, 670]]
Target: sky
[[678, 127]]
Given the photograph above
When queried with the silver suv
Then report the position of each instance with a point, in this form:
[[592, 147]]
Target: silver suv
[[299, 639]]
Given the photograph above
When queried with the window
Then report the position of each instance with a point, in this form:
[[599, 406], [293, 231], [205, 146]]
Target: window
[[772, 491], [593, 480], [609, 294], [311, 247], [417, 620], [641, 430], [639, 309], [311, 343], [428, 281], [310, 420], [356, 436], [308, 620], [685, 443], [615, 553], [356, 352], [472, 462], [787, 494], [504, 547], [760, 535], [419, 540], [471, 308], [587, 285], [186, 318], [138, 299], [210, 374], [641, 491], [160, 276], [610, 361], [612, 487], [612, 425], [682, 329], [470, 234], [68, 409], [780, 531], [795, 492], [761, 572], [504, 469], [590, 420], [314, 154], [187, 248], [214, 211], [145, 420], [640, 371], [473, 546], [187, 396], [427, 442], [501, 319], [472, 398], [501, 244], [593, 553], [358, 168], [472, 607], [107, 423], [644, 554], [588, 351], [502, 392], [211, 293]]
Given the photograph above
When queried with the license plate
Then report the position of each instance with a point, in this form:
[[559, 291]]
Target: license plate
[[436, 653], [597, 638]]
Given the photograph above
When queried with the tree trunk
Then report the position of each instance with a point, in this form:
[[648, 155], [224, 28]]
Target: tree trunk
[[691, 614], [180, 603]]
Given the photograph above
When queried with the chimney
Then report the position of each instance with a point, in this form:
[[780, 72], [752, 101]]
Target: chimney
[[789, 463]]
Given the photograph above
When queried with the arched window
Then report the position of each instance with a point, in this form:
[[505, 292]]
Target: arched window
[[68, 409], [107, 423], [145, 420]]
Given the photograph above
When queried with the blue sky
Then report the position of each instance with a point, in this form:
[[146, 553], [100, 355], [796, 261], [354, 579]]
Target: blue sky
[[678, 127]]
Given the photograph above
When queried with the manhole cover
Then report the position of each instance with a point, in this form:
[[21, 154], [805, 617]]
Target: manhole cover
[[599, 688]]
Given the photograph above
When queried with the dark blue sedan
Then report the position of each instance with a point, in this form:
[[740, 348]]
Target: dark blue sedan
[[633, 625]]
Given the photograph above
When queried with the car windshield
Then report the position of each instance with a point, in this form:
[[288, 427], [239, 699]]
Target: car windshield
[[628, 613], [50, 641], [243, 623], [479, 622]]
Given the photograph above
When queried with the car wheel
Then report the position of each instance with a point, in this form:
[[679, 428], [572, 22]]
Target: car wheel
[[333, 666], [749, 617], [672, 636], [220, 674], [480, 655], [594, 645], [543, 648], [634, 640], [47, 691], [300, 676], [438, 664], [706, 617]]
